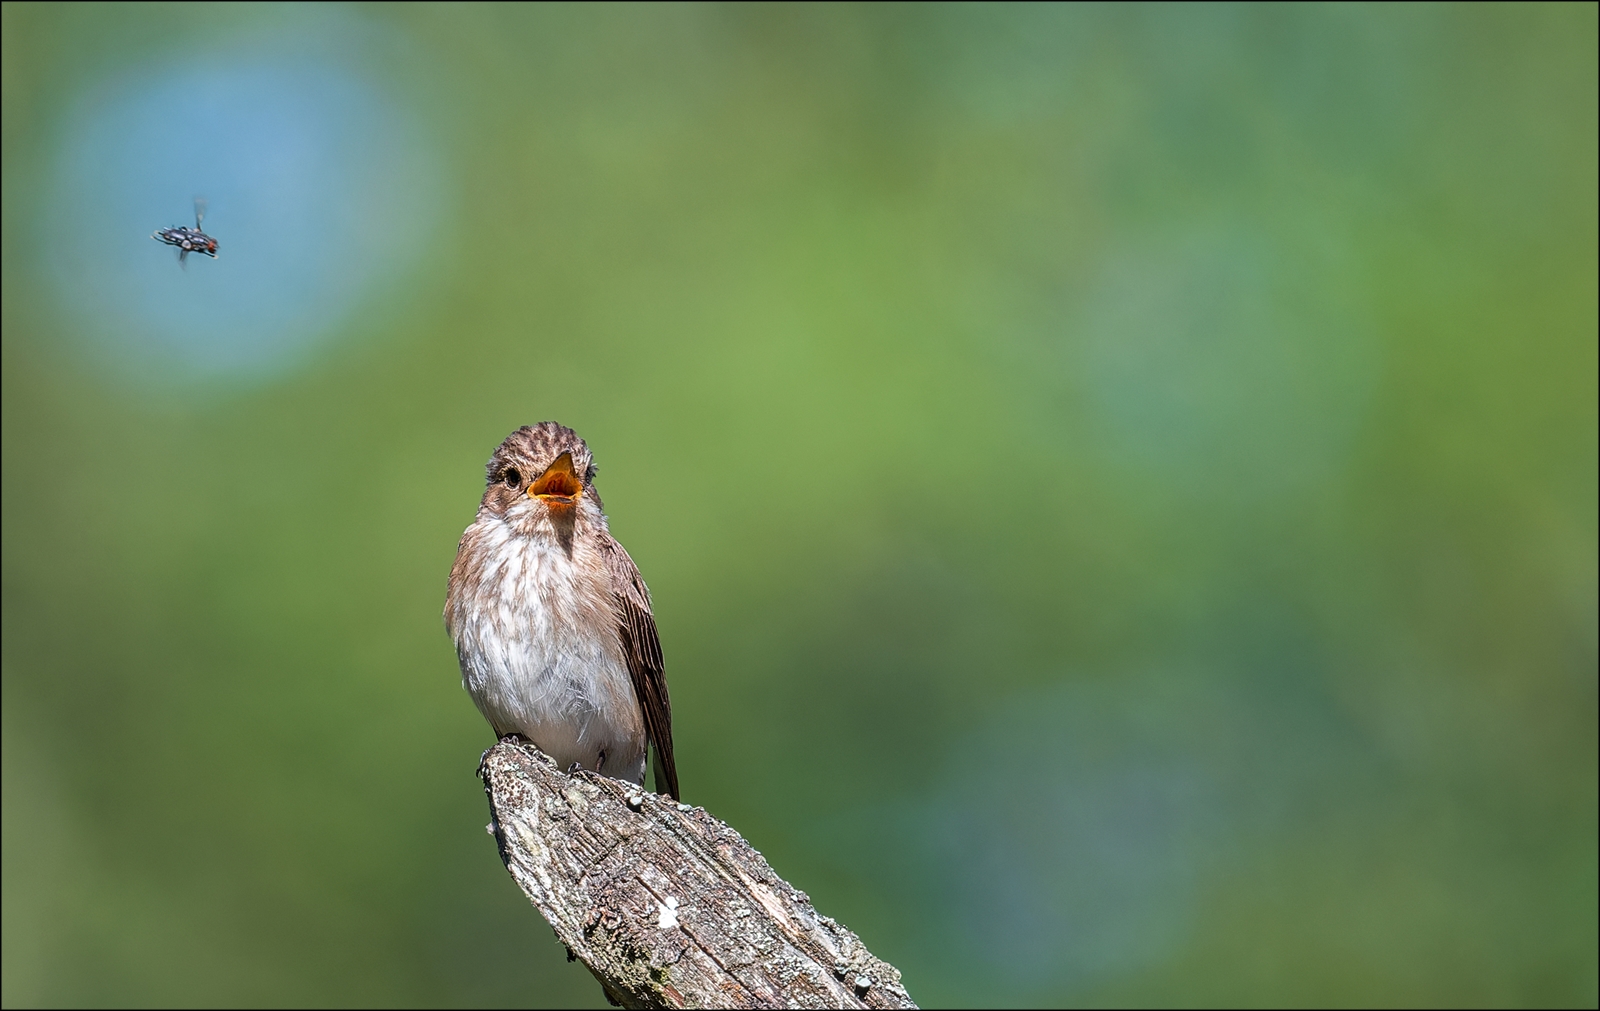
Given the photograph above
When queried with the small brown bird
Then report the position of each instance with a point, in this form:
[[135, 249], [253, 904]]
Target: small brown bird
[[551, 619]]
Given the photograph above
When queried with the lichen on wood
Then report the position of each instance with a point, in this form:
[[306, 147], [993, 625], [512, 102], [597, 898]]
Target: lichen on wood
[[667, 906]]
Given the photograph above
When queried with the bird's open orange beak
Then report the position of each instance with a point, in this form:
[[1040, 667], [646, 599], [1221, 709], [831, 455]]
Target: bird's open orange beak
[[558, 487]]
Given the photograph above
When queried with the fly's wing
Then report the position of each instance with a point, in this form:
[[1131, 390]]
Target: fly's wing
[[199, 212], [631, 599]]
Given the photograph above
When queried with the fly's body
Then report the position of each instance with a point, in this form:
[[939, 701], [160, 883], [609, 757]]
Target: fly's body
[[189, 240]]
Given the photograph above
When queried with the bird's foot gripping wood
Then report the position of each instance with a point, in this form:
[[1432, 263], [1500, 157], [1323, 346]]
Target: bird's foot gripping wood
[[667, 906]]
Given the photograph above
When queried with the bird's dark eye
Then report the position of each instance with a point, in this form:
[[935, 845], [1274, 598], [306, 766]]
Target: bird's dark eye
[[512, 477]]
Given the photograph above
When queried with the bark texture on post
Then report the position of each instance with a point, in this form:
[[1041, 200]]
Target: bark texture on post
[[666, 905]]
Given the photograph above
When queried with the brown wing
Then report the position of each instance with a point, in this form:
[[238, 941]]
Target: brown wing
[[643, 649]]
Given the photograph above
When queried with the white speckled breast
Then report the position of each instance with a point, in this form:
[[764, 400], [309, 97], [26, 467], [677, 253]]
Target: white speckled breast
[[540, 651]]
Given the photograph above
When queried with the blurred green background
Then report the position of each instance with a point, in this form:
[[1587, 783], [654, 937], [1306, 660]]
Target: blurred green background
[[1118, 484]]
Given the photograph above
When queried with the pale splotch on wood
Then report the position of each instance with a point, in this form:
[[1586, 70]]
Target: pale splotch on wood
[[666, 905]]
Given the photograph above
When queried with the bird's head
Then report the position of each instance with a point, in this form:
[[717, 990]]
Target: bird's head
[[540, 473]]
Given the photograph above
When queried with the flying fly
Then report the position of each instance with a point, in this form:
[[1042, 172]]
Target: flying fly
[[189, 240]]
